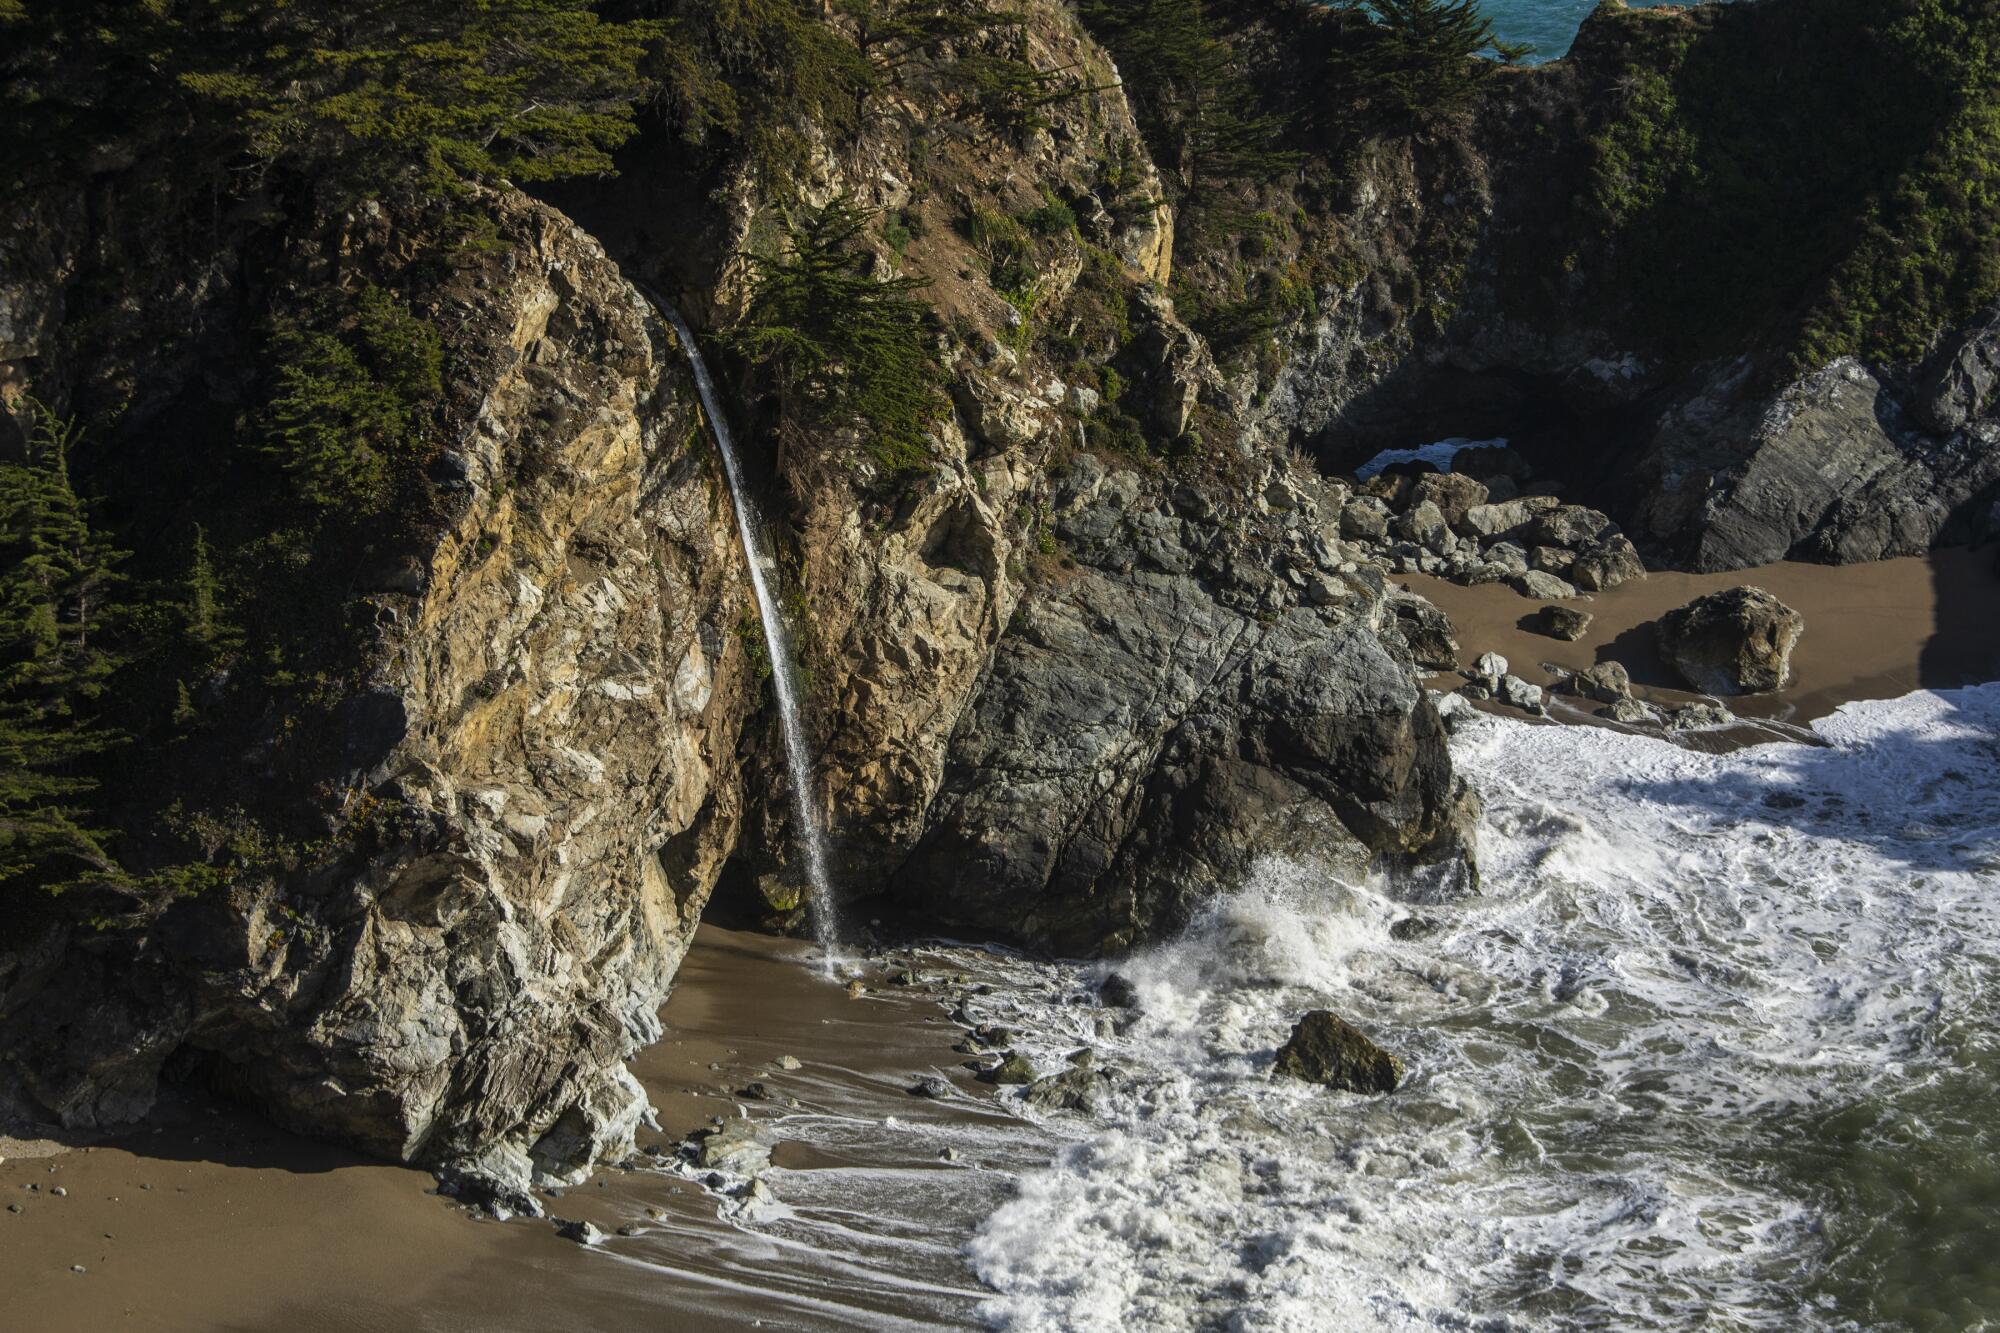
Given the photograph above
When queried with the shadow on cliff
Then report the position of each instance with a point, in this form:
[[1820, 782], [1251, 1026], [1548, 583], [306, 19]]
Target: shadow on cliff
[[192, 1125]]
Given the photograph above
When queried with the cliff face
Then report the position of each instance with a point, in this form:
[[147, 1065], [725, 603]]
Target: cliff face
[[1068, 677], [531, 795], [1664, 266]]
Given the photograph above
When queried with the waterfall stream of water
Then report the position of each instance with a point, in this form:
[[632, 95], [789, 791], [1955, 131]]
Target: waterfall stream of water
[[777, 643]]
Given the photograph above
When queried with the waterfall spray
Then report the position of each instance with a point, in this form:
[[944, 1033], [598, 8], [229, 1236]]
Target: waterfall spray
[[777, 642]]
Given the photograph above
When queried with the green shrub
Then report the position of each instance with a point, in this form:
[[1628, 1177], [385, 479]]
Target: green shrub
[[1052, 218], [844, 348], [345, 413], [368, 95]]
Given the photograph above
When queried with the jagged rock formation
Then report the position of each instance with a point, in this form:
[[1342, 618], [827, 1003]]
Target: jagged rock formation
[[1069, 679], [1163, 710], [1501, 275], [531, 797]]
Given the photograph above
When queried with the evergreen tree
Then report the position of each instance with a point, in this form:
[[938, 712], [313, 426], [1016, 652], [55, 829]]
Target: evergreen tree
[[845, 347], [1418, 58], [58, 616], [370, 95], [1201, 110]]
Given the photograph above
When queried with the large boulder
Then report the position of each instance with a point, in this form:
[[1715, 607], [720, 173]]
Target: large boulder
[[1166, 712], [1734, 642], [1325, 1048]]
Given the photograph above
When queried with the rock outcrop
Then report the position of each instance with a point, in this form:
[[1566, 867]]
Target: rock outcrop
[[530, 799], [1325, 1048], [1163, 710], [1734, 642]]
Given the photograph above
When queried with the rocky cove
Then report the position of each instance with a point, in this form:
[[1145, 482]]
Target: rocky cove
[[402, 843]]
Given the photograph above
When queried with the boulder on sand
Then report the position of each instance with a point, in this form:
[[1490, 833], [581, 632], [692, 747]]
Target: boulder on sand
[[1325, 1048], [1564, 622], [1734, 642]]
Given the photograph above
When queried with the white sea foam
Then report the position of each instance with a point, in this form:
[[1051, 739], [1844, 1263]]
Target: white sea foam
[[1650, 1064], [1439, 455]]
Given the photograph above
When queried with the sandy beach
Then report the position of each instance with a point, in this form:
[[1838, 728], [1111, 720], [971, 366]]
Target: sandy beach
[[1875, 631], [208, 1218]]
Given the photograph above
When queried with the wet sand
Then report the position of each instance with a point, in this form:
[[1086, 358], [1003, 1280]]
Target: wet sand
[[1875, 631], [208, 1218]]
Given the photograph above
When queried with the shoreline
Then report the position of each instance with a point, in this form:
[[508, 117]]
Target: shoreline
[[248, 1227], [207, 1217], [1873, 631]]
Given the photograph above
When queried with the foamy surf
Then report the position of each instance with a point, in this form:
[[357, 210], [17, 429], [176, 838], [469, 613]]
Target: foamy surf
[[1711, 1048]]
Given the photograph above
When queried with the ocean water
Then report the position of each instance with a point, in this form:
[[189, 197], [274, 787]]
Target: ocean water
[[1713, 1047], [1547, 25]]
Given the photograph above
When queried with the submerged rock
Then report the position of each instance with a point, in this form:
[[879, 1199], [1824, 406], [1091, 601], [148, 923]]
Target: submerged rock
[[1116, 991], [1325, 1048], [1014, 1070], [1735, 642], [1078, 1088], [930, 1086]]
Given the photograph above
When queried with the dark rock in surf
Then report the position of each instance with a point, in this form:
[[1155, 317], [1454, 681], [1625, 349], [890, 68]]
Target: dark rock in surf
[[1077, 1088], [1326, 1049], [1117, 992], [1012, 1071]]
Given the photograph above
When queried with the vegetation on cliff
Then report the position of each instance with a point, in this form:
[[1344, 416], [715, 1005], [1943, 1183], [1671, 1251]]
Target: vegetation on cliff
[[847, 350], [1824, 175]]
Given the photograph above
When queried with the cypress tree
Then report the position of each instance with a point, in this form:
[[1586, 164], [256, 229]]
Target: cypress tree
[[845, 346], [58, 618]]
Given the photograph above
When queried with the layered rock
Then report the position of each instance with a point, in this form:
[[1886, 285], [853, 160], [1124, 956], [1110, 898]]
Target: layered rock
[[1164, 709], [1738, 641], [530, 799]]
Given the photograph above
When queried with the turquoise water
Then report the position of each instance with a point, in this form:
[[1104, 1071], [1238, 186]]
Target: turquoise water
[[1547, 25]]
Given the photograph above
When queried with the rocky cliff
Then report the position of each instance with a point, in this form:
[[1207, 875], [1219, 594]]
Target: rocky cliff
[[1069, 674], [1701, 270], [526, 799]]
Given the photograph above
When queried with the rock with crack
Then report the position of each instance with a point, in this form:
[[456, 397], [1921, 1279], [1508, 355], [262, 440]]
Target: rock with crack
[[1738, 641], [1164, 714]]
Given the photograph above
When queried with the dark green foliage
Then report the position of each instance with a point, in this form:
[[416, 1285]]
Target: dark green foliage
[[1195, 98], [756, 69], [344, 414], [1414, 59], [846, 349], [1824, 175], [1052, 217], [369, 95], [59, 616]]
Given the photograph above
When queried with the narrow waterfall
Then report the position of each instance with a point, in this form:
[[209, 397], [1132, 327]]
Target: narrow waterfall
[[777, 642]]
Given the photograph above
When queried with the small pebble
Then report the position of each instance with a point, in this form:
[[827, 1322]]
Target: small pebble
[[76, 1268], [13, 1207], [788, 1062], [60, 1192]]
